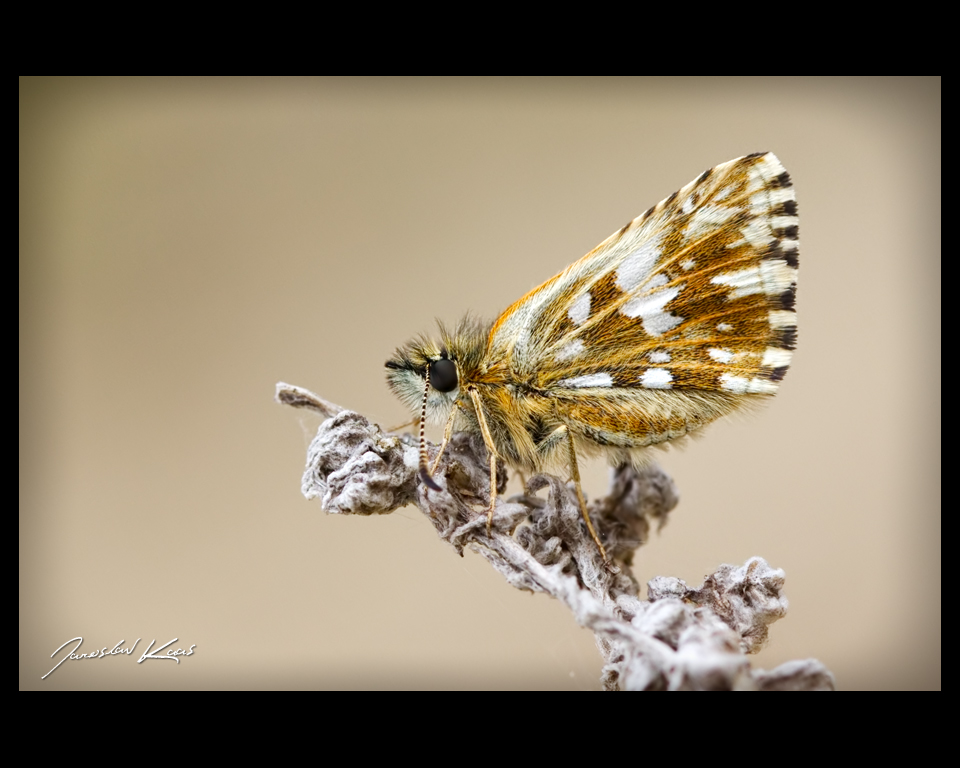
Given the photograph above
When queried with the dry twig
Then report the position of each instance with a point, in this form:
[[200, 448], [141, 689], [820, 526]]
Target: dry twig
[[678, 639]]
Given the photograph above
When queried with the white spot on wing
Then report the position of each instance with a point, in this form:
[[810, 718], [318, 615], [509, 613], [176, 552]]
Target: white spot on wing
[[580, 309], [765, 200], [636, 267], [656, 378], [570, 350], [656, 322], [755, 181], [744, 282], [741, 385], [720, 355], [774, 357], [782, 318], [688, 264], [657, 280], [659, 357], [768, 167], [782, 222], [726, 327], [780, 196], [757, 233], [591, 380], [706, 218], [777, 276], [737, 384]]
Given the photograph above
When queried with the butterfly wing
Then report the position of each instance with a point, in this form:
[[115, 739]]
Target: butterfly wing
[[694, 298]]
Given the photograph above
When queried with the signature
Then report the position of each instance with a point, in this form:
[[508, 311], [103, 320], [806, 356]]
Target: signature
[[119, 650]]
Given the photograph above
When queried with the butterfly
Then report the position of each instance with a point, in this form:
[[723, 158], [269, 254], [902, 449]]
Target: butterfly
[[684, 315]]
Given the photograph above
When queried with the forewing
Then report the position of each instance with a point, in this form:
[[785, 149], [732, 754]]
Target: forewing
[[696, 293]]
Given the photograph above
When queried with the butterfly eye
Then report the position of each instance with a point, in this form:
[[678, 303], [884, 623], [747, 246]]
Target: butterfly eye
[[443, 375]]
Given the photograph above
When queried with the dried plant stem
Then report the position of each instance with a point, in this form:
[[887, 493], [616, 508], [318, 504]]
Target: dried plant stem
[[680, 638]]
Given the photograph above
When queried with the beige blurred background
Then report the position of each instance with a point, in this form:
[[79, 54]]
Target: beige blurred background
[[185, 244]]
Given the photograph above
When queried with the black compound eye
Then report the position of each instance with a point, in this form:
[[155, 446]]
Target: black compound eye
[[443, 375]]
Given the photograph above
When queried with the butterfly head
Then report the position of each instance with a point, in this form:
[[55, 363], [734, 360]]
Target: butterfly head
[[435, 371], [425, 370]]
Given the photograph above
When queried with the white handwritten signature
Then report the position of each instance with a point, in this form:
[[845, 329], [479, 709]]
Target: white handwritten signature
[[118, 650]]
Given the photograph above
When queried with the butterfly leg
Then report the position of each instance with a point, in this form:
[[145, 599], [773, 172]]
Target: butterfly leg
[[447, 432], [575, 474], [488, 440], [415, 422]]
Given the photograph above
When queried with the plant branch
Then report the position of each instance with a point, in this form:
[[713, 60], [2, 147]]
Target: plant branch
[[679, 639]]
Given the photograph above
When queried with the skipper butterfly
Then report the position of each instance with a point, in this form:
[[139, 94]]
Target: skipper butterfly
[[684, 315]]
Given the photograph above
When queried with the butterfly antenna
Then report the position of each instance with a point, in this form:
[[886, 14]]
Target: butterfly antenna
[[424, 471]]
